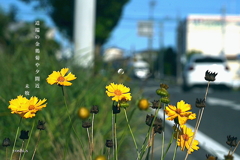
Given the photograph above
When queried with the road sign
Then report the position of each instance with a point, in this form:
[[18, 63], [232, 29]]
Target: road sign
[[145, 28]]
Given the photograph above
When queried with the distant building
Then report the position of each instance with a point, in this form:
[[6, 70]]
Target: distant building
[[113, 53], [212, 35]]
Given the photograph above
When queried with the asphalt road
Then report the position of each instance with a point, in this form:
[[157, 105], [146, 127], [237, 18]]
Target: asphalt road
[[221, 118]]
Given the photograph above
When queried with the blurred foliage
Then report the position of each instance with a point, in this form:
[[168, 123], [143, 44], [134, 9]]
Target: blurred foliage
[[192, 52], [18, 68], [108, 13], [170, 61]]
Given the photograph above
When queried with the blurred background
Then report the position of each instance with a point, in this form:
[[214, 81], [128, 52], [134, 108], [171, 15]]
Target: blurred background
[[153, 41]]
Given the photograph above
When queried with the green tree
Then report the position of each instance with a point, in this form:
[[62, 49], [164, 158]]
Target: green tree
[[108, 13]]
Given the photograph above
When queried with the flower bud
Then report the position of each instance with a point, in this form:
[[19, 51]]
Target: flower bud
[[124, 104], [210, 157], [83, 113], [143, 104], [101, 157], [162, 92], [228, 157], [165, 100]]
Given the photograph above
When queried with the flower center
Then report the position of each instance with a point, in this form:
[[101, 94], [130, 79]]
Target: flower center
[[117, 92], [61, 79], [178, 110], [31, 107], [185, 137]]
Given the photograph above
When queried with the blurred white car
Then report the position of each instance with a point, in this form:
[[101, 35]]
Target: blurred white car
[[139, 69], [194, 72]]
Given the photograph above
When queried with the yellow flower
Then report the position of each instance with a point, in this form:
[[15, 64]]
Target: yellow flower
[[26, 108], [184, 139], [59, 78], [118, 92], [16, 105], [180, 113]]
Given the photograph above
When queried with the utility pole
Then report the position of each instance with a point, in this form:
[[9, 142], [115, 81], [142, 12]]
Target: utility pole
[[223, 18], [84, 29], [161, 56], [152, 3]]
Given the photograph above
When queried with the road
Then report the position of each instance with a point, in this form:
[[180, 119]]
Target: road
[[220, 118]]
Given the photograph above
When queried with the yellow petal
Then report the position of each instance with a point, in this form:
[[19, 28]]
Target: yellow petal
[[64, 71]]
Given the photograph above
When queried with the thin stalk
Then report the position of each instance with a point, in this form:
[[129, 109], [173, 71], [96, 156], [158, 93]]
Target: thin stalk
[[235, 148], [176, 146], [6, 153], [113, 133], [169, 145], [134, 140], [71, 123], [153, 136], [30, 135], [163, 132], [14, 144], [108, 153], [115, 136], [89, 141], [39, 135], [143, 149], [92, 132], [198, 122], [21, 150]]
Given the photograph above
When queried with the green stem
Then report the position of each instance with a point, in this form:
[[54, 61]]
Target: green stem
[[71, 124], [21, 150], [175, 150], [115, 136], [36, 145], [143, 148], [30, 135], [16, 138], [163, 132], [134, 140], [169, 145], [89, 141]]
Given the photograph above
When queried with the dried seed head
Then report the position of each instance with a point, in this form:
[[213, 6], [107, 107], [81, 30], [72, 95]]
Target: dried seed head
[[6, 142], [86, 124], [109, 143], [164, 86], [94, 109], [24, 135], [231, 141], [200, 103], [156, 104], [210, 76], [41, 125]]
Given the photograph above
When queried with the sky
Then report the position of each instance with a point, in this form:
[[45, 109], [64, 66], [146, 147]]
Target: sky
[[125, 35]]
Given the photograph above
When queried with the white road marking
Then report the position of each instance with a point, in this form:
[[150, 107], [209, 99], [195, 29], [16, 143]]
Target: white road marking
[[206, 142], [223, 102]]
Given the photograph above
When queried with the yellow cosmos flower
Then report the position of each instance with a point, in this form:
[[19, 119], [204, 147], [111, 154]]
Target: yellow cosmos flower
[[26, 108], [118, 92], [185, 138], [180, 112], [59, 78]]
